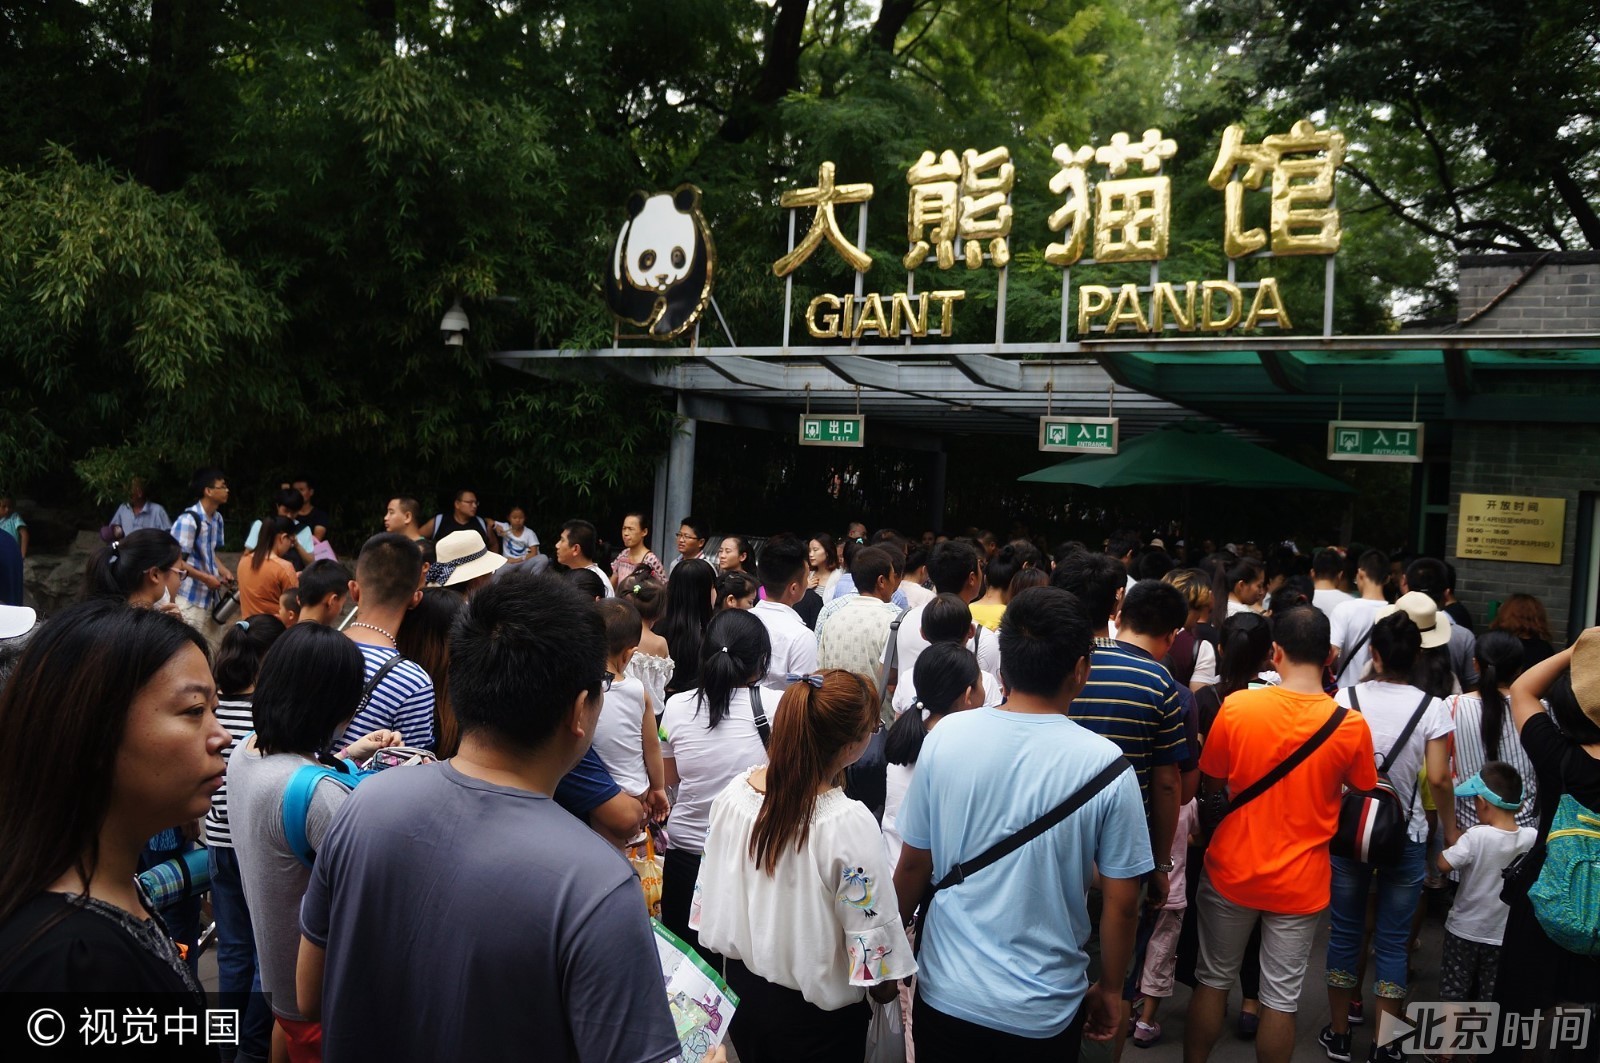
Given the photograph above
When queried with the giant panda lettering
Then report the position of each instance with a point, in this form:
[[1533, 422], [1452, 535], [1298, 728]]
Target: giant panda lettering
[[660, 277]]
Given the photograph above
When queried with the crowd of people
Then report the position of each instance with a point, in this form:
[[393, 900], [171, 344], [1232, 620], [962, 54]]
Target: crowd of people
[[1007, 795]]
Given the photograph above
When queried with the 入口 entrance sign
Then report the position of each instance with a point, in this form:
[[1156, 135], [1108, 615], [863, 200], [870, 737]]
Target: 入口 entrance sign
[[832, 430], [1399, 441], [1078, 435], [1511, 528]]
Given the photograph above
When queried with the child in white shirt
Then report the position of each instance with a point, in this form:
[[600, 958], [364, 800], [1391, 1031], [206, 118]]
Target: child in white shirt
[[1476, 924], [517, 540], [625, 738]]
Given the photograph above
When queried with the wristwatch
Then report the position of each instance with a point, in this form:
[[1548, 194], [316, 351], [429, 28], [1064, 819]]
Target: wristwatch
[[1165, 867]]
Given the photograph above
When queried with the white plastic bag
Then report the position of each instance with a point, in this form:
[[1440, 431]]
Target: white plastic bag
[[886, 1034]]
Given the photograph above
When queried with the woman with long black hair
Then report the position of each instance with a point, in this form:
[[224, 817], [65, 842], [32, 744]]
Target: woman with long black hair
[[712, 733], [108, 735], [691, 591], [1484, 730], [143, 568], [948, 680]]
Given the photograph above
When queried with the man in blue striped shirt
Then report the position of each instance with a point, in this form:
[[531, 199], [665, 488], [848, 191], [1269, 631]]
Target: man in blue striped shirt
[[1130, 697], [198, 530], [388, 584]]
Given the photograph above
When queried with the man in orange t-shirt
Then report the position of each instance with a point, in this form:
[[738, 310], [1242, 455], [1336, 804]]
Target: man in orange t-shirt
[[1269, 859]]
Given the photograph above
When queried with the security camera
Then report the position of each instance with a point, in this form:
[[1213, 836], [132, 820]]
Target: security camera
[[454, 326]]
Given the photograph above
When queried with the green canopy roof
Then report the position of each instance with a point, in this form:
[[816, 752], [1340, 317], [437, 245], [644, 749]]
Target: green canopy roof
[[1189, 452]]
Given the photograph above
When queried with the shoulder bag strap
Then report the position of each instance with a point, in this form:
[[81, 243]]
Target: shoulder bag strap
[[1006, 846], [763, 728], [377, 677], [891, 656], [1411, 725], [1289, 763], [1350, 655]]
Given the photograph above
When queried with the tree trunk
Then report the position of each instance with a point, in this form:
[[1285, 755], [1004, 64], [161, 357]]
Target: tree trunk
[[780, 73], [892, 17], [1583, 212], [155, 164]]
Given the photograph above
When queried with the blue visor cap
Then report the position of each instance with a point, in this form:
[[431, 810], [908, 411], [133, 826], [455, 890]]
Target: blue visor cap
[[1476, 787]]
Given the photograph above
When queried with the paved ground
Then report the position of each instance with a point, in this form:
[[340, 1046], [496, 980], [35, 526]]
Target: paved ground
[[1230, 1049]]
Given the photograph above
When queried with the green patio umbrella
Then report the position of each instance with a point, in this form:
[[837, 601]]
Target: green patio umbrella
[[1188, 452]]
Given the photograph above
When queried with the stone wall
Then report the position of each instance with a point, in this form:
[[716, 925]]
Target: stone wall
[[1522, 458], [1560, 294]]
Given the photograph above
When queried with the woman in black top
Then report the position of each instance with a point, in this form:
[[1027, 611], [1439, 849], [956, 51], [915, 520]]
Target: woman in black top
[[1564, 746], [108, 734]]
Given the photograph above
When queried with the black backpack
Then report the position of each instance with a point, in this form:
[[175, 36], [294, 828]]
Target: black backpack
[[1372, 823]]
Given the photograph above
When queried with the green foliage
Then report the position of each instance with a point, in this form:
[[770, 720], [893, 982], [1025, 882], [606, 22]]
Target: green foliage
[[1477, 116], [227, 234]]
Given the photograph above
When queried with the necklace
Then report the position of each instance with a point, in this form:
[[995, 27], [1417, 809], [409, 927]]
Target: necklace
[[375, 627]]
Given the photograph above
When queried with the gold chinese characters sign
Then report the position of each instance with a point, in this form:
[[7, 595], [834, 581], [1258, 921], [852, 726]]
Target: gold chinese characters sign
[[958, 210], [1511, 528]]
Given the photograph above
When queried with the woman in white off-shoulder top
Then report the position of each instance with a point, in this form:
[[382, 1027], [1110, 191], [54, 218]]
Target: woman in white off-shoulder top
[[795, 885]]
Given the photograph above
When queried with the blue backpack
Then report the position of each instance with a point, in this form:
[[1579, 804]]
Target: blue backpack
[[1566, 895], [297, 795], [297, 803]]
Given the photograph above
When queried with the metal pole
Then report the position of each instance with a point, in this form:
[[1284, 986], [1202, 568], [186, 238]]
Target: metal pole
[[1066, 300], [1327, 299], [788, 285], [1000, 308], [680, 469], [861, 278]]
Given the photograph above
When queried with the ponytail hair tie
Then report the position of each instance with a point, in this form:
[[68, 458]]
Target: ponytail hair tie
[[244, 624], [635, 588], [918, 705], [723, 650]]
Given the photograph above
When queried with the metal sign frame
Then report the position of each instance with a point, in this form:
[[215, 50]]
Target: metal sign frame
[[1399, 426], [1067, 448], [861, 434]]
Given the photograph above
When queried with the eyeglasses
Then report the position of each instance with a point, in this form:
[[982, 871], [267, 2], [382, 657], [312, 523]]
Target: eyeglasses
[[689, 537], [605, 681]]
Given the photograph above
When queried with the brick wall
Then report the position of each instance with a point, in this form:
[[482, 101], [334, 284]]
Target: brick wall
[[1561, 294], [1522, 458]]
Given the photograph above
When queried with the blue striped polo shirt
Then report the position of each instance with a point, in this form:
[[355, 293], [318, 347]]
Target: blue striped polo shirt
[[1133, 700]]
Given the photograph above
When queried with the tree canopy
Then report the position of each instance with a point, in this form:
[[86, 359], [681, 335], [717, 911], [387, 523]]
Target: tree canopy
[[227, 234]]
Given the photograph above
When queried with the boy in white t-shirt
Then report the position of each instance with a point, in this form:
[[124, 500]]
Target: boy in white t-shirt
[[517, 540], [1477, 922], [625, 738]]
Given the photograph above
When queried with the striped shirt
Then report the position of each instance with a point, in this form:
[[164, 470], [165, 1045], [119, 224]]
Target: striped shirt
[[234, 713], [198, 537], [1470, 753], [1132, 700], [402, 701]]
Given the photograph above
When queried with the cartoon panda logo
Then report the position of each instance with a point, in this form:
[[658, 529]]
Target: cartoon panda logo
[[661, 268]]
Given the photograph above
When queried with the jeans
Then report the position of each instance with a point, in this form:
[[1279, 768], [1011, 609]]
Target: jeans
[[238, 973], [1399, 891]]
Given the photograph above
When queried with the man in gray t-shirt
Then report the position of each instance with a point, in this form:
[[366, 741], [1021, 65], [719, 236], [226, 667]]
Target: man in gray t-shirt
[[455, 910]]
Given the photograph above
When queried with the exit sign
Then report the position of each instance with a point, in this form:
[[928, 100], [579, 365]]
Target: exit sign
[[1078, 435], [827, 430], [1375, 441]]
